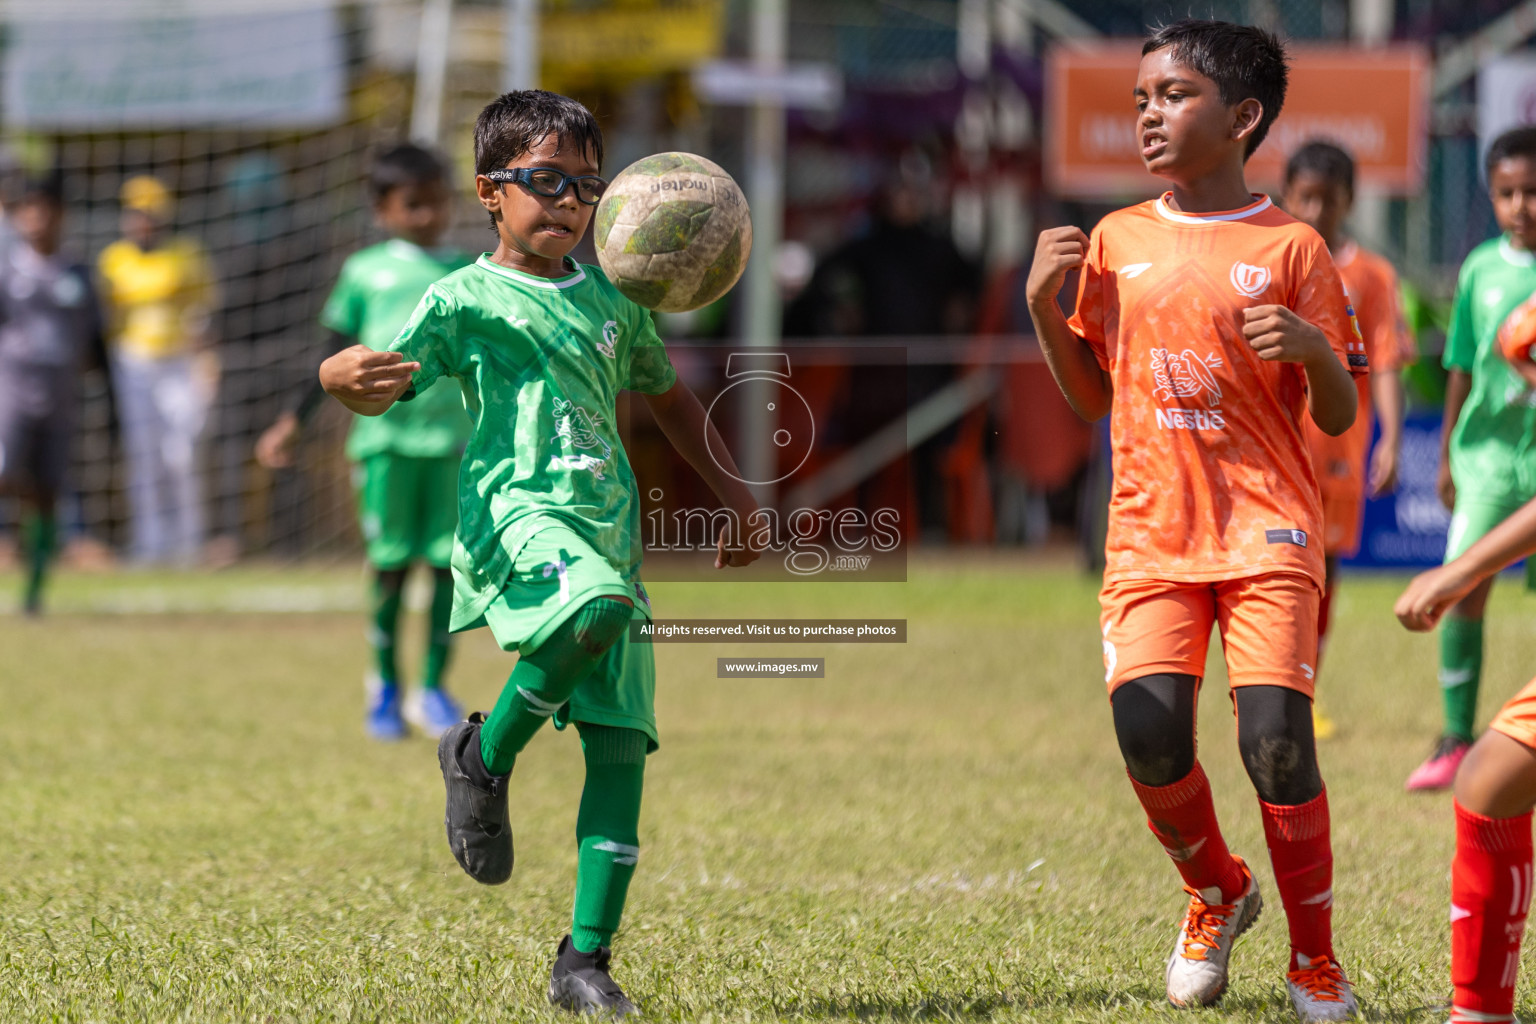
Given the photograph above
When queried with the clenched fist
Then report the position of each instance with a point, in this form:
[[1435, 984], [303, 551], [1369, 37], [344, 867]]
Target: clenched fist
[[1277, 334], [1057, 251]]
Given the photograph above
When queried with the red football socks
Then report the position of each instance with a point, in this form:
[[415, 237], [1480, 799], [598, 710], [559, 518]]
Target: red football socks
[[1183, 818], [1302, 857], [1490, 895]]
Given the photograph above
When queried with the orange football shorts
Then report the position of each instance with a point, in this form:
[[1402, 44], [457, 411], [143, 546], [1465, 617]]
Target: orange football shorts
[[1268, 629], [1517, 719]]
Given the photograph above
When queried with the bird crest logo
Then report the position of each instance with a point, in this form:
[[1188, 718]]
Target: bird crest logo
[[1185, 375], [610, 338], [1248, 279]]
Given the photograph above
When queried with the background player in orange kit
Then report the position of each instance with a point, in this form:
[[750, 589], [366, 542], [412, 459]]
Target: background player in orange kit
[[1319, 191], [1495, 786], [1208, 324]]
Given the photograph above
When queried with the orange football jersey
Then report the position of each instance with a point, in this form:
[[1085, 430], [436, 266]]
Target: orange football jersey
[[1212, 479], [1517, 334], [1372, 286]]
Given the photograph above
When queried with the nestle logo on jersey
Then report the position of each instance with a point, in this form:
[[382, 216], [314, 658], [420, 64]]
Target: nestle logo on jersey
[[1190, 419], [1187, 375]]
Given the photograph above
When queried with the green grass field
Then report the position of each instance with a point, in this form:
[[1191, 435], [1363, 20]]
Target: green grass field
[[193, 827]]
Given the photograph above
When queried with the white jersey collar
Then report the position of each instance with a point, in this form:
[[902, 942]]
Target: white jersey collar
[[577, 275], [1518, 257], [1260, 204]]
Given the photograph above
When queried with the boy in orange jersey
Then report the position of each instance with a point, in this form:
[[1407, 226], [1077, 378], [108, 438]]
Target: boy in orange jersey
[[1496, 784], [1319, 191], [1210, 324]]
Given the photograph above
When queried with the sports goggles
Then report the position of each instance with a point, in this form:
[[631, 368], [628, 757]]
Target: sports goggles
[[546, 181]]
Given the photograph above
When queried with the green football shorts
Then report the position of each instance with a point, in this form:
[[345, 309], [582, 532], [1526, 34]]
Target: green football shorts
[[1472, 520], [554, 574], [407, 508]]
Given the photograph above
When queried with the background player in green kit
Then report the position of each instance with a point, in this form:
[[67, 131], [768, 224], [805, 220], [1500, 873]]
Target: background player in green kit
[[548, 546], [1486, 467], [407, 460]]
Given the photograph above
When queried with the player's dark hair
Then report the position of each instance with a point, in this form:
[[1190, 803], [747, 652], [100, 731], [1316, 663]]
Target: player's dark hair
[[48, 187], [1324, 159], [515, 122], [402, 166], [1517, 142], [1245, 63]]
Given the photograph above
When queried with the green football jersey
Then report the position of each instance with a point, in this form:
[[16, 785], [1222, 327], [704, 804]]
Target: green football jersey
[[1491, 445], [376, 293], [540, 363]]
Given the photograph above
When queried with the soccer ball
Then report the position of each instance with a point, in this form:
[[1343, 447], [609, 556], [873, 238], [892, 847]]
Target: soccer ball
[[673, 232]]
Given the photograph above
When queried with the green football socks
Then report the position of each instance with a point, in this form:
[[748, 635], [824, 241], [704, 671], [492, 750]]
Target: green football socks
[[438, 637], [544, 679], [607, 831], [1461, 669], [39, 536], [384, 622]]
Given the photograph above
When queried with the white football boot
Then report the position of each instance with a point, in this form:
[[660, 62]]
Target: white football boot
[[1197, 970], [1320, 992]]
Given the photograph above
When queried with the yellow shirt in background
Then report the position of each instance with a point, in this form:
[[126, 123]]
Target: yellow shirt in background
[[159, 300]]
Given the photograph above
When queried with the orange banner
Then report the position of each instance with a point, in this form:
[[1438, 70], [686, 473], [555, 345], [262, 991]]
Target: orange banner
[[1373, 102]]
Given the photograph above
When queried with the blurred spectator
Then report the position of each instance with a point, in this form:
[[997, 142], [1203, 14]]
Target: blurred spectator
[[50, 327], [902, 279], [160, 294]]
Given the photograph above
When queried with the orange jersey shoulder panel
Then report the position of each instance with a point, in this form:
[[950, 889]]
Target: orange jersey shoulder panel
[[1212, 475]]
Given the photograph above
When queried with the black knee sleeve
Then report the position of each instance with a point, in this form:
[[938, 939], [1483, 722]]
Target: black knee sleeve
[[1155, 725], [1274, 736]]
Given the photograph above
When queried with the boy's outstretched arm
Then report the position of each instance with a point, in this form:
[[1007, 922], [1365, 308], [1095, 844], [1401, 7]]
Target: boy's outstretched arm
[[693, 434], [365, 381], [1277, 334], [1430, 593], [1073, 364]]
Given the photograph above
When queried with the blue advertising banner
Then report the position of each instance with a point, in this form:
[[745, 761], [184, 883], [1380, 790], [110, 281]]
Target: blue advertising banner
[[1406, 529]]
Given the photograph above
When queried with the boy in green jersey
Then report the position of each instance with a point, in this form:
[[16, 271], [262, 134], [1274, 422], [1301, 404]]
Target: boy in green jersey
[[1486, 467], [406, 462], [548, 546]]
